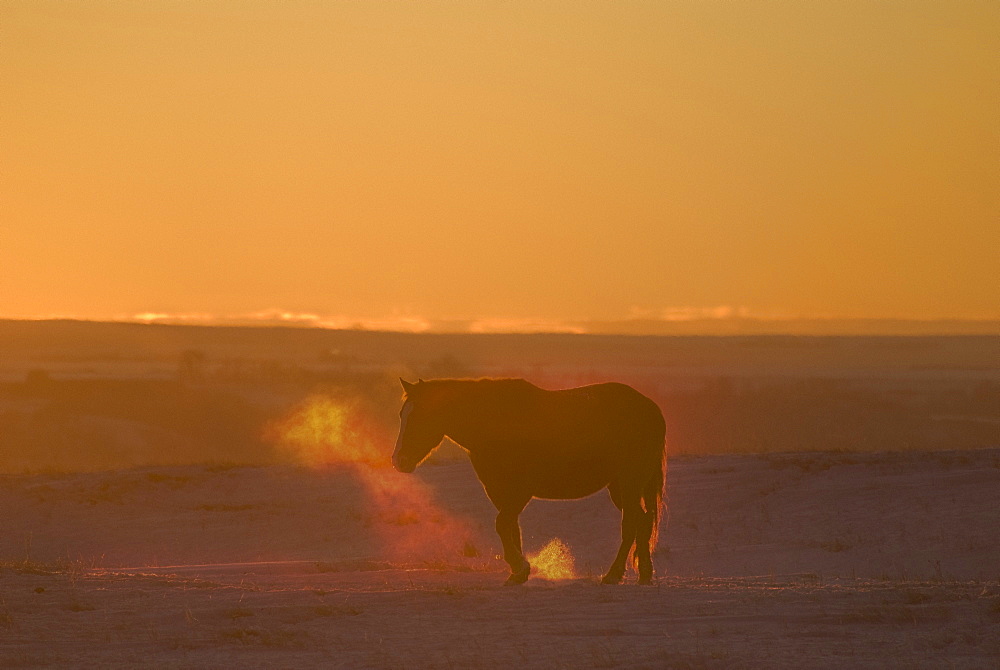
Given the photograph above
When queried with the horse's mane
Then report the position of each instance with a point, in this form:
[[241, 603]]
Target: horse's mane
[[499, 385], [486, 381], [496, 383]]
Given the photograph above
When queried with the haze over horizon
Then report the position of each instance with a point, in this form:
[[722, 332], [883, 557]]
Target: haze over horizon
[[436, 166]]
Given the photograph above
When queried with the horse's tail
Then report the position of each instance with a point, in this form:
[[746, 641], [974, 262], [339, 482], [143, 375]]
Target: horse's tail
[[653, 498]]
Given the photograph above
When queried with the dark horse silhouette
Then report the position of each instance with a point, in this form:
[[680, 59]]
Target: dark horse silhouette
[[525, 442]]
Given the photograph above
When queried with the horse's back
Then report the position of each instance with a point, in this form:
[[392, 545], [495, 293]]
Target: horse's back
[[617, 408], [600, 422]]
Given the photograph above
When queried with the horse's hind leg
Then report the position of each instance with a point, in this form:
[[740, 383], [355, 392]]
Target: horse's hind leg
[[509, 531], [631, 520], [630, 523], [642, 555]]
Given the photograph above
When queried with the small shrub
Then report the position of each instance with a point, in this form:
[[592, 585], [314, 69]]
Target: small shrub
[[328, 611], [239, 613], [224, 508], [264, 638], [837, 545], [173, 481], [78, 606]]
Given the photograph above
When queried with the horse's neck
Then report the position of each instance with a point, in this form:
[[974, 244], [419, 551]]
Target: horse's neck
[[472, 421]]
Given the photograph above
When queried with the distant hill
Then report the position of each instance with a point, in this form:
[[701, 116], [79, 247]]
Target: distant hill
[[751, 326], [23, 342]]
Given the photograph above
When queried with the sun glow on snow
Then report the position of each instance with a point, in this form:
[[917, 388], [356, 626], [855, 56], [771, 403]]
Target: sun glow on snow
[[554, 561]]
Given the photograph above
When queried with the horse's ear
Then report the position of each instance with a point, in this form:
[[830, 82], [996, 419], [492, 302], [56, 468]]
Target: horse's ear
[[407, 386], [420, 381]]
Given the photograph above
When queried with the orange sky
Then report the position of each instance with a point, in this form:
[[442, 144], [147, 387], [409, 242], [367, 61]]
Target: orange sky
[[502, 161]]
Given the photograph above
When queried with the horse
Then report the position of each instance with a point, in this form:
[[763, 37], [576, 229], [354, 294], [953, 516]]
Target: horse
[[525, 442]]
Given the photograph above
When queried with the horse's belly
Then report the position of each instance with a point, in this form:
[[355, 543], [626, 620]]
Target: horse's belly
[[567, 483], [563, 491], [580, 469]]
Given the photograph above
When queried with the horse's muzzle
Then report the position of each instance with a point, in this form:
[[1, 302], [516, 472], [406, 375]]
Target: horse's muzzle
[[402, 466]]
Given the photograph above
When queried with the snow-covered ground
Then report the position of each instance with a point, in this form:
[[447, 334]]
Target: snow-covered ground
[[780, 560]]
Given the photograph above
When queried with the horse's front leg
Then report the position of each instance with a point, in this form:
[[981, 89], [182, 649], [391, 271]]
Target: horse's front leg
[[509, 531]]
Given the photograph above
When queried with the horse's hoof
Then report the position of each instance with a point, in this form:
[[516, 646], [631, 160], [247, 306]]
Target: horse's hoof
[[645, 580], [611, 578], [516, 578], [519, 577]]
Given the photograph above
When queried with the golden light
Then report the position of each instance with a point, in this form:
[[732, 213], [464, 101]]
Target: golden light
[[554, 561], [323, 431]]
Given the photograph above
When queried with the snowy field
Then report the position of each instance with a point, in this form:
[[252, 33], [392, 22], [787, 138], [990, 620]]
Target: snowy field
[[800, 560]]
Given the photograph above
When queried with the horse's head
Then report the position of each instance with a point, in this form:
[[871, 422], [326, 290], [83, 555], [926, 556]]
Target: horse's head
[[419, 426]]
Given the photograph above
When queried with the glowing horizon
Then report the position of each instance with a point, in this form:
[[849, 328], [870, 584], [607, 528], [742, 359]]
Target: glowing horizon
[[527, 167], [680, 321]]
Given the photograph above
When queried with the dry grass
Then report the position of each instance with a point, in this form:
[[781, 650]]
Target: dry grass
[[238, 613], [892, 613], [835, 545], [172, 481], [222, 507], [28, 566], [277, 639]]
